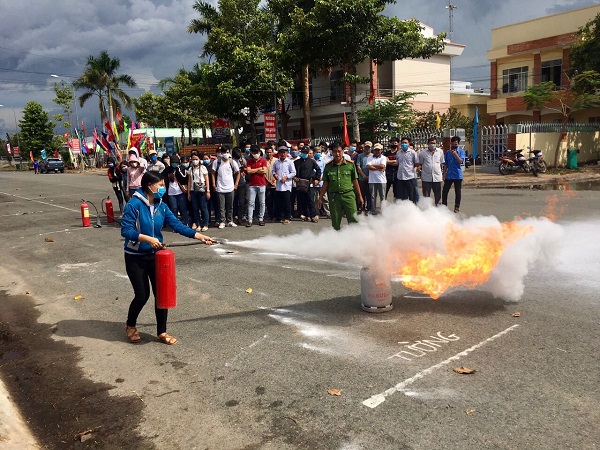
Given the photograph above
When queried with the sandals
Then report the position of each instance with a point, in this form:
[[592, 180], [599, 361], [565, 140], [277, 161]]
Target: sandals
[[133, 335], [167, 339], [456, 209]]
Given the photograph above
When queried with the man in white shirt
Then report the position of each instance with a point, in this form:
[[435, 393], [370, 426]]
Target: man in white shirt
[[225, 177], [407, 160], [283, 172], [431, 161], [376, 164]]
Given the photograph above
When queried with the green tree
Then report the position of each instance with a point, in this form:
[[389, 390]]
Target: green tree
[[452, 118], [585, 52], [566, 100], [388, 118], [147, 109], [36, 130], [100, 79], [344, 34], [64, 98], [242, 80]]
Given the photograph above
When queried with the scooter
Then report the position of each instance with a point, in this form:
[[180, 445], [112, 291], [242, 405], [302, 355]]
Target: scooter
[[512, 162], [537, 163]]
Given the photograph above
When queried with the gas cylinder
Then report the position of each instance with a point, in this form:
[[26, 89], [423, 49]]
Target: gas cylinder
[[109, 210], [85, 214], [166, 284]]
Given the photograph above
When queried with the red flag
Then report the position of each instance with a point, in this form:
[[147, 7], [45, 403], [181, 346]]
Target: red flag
[[83, 128], [119, 120], [346, 140], [31, 155], [56, 153], [371, 92], [109, 132]]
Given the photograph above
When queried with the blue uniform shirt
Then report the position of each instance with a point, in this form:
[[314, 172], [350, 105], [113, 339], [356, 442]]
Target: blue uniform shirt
[[454, 168]]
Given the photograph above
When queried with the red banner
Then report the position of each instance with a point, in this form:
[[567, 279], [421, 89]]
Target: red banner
[[16, 152], [270, 127]]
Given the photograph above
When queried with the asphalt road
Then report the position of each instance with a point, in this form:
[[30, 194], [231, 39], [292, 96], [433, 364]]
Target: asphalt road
[[253, 370]]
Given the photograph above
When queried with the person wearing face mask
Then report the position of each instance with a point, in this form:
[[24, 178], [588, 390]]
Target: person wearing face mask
[[115, 176], [294, 156], [407, 160], [391, 167], [240, 207], [453, 174], [124, 167], [271, 184], [155, 165], [198, 192], [177, 188], [225, 177], [363, 175], [136, 168], [141, 225], [321, 160], [307, 172], [257, 184], [352, 153], [431, 161], [283, 171]]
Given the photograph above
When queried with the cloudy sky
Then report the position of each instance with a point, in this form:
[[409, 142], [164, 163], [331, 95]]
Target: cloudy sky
[[43, 37]]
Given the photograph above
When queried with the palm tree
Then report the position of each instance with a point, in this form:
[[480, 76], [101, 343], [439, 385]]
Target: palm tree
[[100, 78]]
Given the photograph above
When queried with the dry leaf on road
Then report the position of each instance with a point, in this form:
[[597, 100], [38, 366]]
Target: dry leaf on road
[[334, 392], [517, 314], [28, 292], [464, 370], [78, 297], [48, 239], [468, 412], [249, 291]]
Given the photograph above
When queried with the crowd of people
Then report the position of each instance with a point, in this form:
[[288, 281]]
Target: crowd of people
[[245, 184], [279, 182]]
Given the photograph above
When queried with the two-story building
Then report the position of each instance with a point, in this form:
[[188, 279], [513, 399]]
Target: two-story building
[[529, 53], [329, 98]]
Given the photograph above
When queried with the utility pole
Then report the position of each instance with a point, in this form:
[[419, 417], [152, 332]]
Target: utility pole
[[451, 9]]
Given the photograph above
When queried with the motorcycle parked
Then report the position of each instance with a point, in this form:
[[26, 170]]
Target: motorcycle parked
[[537, 162], [513, 161]]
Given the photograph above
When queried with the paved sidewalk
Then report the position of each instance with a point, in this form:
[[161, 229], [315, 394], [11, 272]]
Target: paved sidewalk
[[491, 178], [14, 432]]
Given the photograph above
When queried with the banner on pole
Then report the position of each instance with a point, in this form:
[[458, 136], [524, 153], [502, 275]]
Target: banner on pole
[[270, 128]]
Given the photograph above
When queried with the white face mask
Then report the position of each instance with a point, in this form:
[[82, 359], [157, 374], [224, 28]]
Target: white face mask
[[431, 146], [195, 162], [225, 155], [256, 155]]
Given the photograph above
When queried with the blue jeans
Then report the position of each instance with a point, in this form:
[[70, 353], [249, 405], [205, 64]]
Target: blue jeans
[[200, 205], [178, 203], [252, 192]]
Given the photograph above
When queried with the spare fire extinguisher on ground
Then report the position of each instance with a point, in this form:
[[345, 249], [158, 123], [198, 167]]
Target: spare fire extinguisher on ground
[[166, 283], [109, 210], [85, 214]]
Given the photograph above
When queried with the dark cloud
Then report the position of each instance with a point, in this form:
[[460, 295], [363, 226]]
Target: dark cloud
[[39, 38]]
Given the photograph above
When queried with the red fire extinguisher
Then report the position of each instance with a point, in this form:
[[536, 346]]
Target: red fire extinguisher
[[85, 214], [109, 210], [166, 284]]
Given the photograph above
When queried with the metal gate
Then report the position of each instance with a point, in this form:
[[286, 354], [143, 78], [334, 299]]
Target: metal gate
[[494, 143]]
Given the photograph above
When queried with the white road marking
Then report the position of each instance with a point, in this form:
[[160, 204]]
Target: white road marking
[[39, 201], [66, 230], [378, 399]]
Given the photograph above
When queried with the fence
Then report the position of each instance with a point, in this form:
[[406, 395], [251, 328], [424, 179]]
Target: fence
[[418, 137], [494, 144]]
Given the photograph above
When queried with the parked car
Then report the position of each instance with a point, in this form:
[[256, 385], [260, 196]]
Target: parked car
[[52, 165]]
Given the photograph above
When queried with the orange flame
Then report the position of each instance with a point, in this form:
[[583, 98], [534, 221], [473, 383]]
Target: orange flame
[[468, 260], [554, 209]]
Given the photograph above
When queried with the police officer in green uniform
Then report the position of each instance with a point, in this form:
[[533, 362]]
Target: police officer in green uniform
[[340, 182]]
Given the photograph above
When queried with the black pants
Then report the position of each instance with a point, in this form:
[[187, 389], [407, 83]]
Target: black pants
[[457, 192], [141, 273], [282, 205], [436, 187], [405, 190], [270, 202], [306, 206], [366, 195], [118, 188], [293, 194], [391, 178]]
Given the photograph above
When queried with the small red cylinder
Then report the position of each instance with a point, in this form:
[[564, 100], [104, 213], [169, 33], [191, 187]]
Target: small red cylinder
[[109, 210], [166, 283], [85, 214]]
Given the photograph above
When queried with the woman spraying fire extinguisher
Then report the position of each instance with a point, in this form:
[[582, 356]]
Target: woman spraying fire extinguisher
[[143, 218]]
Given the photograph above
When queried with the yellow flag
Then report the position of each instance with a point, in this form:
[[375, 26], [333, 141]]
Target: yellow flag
[[438, 121]]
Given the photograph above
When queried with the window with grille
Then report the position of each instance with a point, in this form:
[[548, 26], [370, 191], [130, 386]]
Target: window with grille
[[337, 86], [552, 71], [515, 80]]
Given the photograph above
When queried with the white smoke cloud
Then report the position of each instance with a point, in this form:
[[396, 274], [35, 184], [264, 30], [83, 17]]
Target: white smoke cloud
[[383, 243]]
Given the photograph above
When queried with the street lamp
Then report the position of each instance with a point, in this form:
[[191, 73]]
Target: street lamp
[[16, 129]]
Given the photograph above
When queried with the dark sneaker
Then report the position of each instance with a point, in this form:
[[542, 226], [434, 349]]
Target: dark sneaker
[[261, 223], [248, 224]]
